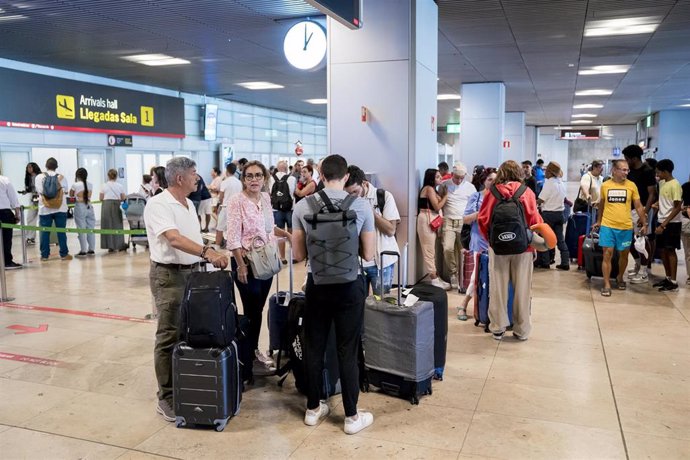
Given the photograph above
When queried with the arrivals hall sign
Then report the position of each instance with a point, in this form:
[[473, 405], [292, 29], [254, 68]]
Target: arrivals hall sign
[[29, 100]]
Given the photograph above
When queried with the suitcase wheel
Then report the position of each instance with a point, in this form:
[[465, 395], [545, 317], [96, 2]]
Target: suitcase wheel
[[220, 425], [414, 400], [589, 276], [180, 422]]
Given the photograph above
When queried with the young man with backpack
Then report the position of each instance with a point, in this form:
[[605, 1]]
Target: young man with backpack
[[281, 186], [507, 213], [333, 229], [52, 208], [386, 218]]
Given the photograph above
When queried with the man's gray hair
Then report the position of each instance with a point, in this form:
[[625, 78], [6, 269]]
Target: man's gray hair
[[177, 167]]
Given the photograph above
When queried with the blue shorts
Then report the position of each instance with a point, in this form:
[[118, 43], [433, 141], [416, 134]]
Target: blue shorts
[[614, 238], [283, 219]]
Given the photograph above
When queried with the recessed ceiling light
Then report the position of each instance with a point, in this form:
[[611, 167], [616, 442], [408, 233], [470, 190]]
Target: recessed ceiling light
[[594, 92], [254, 85], [580, 122], [605, 69], [12, 17], [562, 127], [571, 65], [316, 101], [588, 106], [583, 115], [625, 26], [155, 59], [448, 97]]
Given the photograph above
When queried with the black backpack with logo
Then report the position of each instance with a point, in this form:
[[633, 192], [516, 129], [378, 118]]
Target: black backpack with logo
[[281, 200], [508, 231]]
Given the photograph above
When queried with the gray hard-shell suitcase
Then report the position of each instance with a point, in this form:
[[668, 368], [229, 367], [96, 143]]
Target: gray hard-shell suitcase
[[207, 385], [398, 345]]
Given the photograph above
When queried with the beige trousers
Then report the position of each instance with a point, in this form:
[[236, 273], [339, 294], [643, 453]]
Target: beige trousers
[[503, 269], [685, 238], [450, 233], [427, 240]]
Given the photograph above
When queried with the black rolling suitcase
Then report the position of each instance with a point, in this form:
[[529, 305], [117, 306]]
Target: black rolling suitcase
[[207, 385], [278, 307], [593, 256], [439, 298], [398, 345]]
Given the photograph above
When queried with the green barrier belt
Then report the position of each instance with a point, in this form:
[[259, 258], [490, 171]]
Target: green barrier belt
[[74, 230], [69, 205]]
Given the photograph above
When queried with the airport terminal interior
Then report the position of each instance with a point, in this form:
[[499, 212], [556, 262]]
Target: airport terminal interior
[[396, 87]]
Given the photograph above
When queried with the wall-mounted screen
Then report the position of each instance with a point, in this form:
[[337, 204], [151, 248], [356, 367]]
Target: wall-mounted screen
[[209, 113], [346, 12]]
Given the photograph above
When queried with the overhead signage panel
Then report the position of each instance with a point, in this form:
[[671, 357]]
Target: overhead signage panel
[[35, 101], [346, 12], [579, 134]]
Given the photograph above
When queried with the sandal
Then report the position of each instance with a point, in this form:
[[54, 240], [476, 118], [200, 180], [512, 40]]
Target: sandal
[[606, 292], [462, 314], [622, 285]]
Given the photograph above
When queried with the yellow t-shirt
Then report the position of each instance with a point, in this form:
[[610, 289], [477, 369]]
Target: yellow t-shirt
[[618, 200]]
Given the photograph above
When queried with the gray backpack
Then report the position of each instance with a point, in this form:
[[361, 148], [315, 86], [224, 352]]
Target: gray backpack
[[332, 240]]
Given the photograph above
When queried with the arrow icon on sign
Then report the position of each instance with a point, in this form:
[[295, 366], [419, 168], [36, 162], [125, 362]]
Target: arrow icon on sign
[[28, 329]]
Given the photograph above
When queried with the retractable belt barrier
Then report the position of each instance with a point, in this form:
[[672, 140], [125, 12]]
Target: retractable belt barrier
[[69, 205]]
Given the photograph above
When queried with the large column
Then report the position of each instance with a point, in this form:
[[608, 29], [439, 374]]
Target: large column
[[388, 67], [514, 137], [482, 124], [673, 142]]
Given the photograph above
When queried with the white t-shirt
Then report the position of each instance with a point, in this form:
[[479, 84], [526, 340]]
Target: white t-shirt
[[112, 191], [553, 194], [593, 184], [230, 186], [383, 241], [162, 213], [8, 195], [458, 196], [42, 210], [78, 188]]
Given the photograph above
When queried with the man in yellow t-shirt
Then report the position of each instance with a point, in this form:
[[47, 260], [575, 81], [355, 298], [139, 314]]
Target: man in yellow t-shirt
[[615, 223]]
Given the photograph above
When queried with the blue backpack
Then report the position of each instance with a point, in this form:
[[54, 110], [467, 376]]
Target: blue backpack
[[52, 191]]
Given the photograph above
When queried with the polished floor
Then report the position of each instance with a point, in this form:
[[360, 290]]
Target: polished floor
[[598, 378]]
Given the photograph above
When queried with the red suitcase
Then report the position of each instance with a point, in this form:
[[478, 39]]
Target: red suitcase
[[467, 267], [580, 258]]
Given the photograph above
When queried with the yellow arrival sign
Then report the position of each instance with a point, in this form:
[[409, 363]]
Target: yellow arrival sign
[[146, 116], [65, 107]]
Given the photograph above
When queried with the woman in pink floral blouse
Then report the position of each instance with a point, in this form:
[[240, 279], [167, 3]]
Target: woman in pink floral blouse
[[250, 216]]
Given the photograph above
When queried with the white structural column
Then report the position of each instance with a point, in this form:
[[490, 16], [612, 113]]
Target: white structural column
[[514, 137], [387, 71], [482, 122]]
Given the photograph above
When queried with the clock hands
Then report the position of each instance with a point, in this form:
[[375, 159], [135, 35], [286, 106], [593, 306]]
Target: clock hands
[[307, 40]]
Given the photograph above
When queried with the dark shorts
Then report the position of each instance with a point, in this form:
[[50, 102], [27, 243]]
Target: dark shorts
[[670, 239], [283, 219]]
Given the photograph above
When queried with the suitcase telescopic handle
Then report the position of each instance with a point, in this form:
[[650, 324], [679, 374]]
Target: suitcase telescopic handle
[[394, 254]]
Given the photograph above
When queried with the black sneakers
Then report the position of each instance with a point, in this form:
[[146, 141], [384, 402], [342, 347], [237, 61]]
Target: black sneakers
[[13, 266], [670, 286]]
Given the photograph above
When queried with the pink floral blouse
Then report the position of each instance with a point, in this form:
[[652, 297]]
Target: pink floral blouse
[[246, 220]]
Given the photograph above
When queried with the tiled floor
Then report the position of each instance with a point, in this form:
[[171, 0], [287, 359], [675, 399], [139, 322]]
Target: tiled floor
[[598, 378]]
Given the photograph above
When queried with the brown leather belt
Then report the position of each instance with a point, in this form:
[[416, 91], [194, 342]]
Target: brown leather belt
[[177, 266]]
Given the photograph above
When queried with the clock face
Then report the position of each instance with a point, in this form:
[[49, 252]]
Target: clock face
[[305, 45]]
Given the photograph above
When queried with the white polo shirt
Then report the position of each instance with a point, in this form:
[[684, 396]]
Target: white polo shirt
[[162, 213], [458, 196], [553, 195], [8, 195]]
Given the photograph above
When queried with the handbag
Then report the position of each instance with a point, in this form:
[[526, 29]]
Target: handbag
[[436, 223], [263, 259], [581, 204]]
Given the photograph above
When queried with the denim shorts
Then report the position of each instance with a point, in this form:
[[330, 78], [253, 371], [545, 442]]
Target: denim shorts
[[282, 219], [614, 238]]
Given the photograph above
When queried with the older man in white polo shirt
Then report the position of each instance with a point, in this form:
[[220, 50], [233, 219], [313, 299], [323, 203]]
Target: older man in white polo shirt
[[459, 192], [176, 248]]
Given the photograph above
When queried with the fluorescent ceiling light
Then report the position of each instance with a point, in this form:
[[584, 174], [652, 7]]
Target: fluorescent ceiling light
[[588, 106], [254, 85], [626, 26], [155, 59], [594, 92], [685, 105], [448, 97], [580, 122], [562, 127], [458, 109], [583, 115], [12, 17], [605, 69], [317, 101]]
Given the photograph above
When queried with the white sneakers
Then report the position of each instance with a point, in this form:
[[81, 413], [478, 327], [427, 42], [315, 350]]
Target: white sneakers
[[352, 426], [263, 365], [364, 419], [438, 282], [312, 417]]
